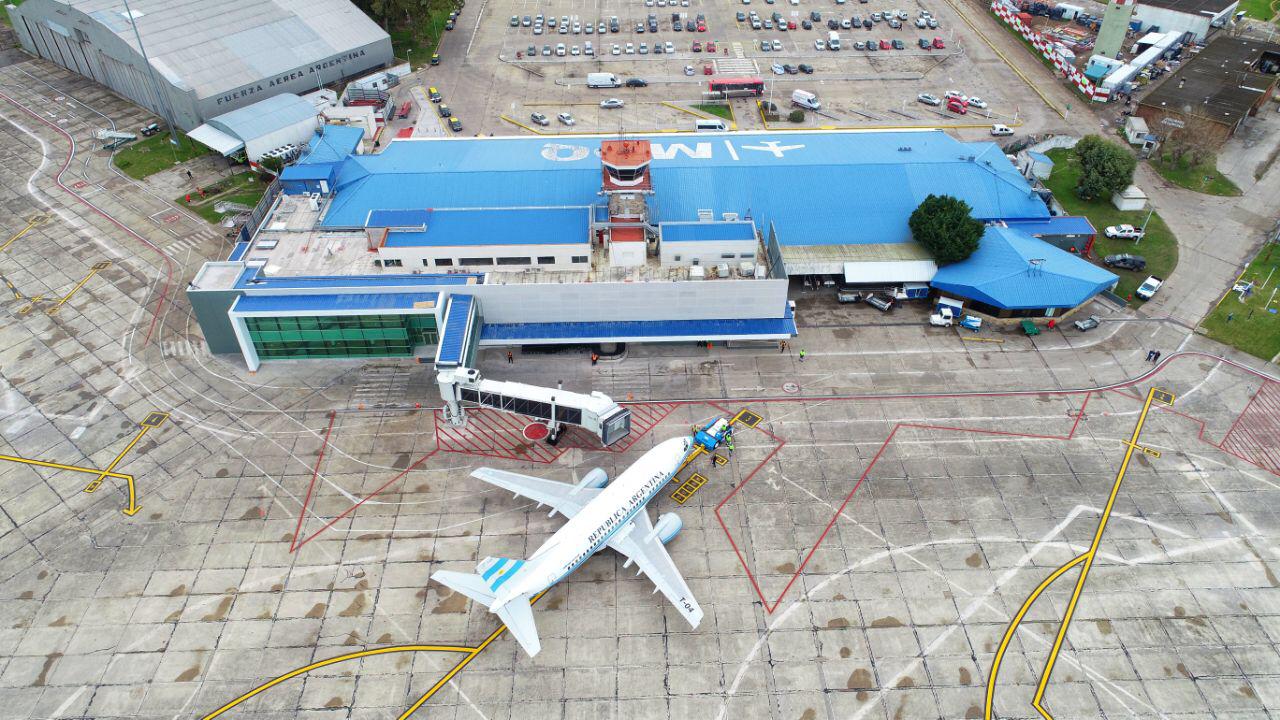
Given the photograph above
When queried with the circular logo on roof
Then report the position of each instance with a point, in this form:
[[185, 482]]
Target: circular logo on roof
[[558, 152]]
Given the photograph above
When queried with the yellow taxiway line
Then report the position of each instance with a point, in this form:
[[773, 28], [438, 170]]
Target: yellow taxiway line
[[1086, 558], [97, 268], [153, 420], [467, 651], [37, 220]]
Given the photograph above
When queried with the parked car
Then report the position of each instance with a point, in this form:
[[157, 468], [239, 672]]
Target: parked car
[[978, 103], [883, 303], [957, 107], [434, 94], [444, 110], [711, 46], [515, 21], [819, 45], [898, 45], [928, 99], [566, 118], [848, 295], [924, 44], [806, 68], [636, 83], [611, 104], [1088, 323], [1148, 288], [455, 124], [1124, 232], [777, 46], [778, 69], [1125, 261], [539, 119], [688, 70], [999, 130], [938, 44]]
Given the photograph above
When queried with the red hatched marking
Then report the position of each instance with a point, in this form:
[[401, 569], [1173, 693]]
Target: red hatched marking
[[1255, 434], [496, 434], [644, 418]]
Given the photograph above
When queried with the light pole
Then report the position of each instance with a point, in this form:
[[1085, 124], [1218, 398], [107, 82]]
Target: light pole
[[161, 100], [1150, 212]]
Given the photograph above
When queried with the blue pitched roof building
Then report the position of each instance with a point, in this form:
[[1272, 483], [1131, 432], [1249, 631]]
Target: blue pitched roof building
[[1013, 273]]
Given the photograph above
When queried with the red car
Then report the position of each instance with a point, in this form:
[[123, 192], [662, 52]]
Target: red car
[[702, 27], [884, 45], [791, 24], [957, 106], [711, 46], [938, 44], [697, 46]]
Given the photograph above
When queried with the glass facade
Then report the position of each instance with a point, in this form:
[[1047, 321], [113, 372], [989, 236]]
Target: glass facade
[[346, 336]]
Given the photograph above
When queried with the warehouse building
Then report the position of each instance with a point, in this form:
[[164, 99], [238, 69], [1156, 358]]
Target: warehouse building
[[579, 240], [1213, 93], [1182, 16], [208, 57]]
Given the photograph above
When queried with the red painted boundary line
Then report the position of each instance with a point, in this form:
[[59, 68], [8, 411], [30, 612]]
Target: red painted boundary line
[[771, 607], [297, 533], [57, 179]]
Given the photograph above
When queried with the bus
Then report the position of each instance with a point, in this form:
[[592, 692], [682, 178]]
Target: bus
[[738, 87]]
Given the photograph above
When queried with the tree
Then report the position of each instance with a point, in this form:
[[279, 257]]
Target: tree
[[945, 227], [1106, 168]]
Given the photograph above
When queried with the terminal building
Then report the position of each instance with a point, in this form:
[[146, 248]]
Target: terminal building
[[207, 57], [435, 247]]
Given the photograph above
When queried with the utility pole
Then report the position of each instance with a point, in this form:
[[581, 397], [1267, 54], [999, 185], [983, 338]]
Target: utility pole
[[161, 99]]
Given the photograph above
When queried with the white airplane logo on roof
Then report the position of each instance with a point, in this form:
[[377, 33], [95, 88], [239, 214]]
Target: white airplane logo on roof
[[563, 152]]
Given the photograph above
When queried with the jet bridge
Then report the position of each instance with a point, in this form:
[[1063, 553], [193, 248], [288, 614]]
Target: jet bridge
[[595, 413]]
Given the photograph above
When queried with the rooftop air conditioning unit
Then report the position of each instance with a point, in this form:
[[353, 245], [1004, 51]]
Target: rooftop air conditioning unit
[[729, 217], [706, 216]]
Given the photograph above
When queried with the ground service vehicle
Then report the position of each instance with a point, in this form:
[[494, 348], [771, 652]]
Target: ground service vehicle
[[602, 80]]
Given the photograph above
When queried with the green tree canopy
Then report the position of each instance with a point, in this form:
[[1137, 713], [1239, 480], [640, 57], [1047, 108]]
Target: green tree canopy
[[1106, 168], [945, 227]]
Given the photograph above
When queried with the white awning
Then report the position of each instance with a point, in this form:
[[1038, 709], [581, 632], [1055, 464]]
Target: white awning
[[211, 136], [889, 271]]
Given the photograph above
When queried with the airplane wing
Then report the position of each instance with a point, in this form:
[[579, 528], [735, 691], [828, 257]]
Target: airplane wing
[[564, 498], [652, 559]]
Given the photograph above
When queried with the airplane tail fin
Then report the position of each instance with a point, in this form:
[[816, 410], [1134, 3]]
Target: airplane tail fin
[[516, 613]]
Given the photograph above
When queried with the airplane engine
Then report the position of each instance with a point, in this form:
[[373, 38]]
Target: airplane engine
[[669, 525], [595, 479]]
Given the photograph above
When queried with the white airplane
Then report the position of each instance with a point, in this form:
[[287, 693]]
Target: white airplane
[[598, 516]]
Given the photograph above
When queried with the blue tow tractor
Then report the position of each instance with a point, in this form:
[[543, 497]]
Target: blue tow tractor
[[711, 436]]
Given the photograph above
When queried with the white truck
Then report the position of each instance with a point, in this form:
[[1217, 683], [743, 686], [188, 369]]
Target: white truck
[[1148, 288], [602, 80], [833, 40], [805, 99]]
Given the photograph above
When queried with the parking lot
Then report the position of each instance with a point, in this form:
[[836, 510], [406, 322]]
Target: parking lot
[[518, 72]]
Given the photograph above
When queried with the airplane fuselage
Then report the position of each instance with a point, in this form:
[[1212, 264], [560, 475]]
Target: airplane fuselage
[[590, 530]]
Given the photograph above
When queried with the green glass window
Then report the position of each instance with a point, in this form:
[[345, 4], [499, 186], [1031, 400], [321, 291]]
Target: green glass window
[[343, 336]]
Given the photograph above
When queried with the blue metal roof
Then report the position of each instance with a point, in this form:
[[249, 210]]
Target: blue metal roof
[[307, 172], [508, 226], [333, 146], [407, 218], [816, 187], [453, 336], [1060, 225], [368, 302], [238, 251], [1001, 274], [695, 231], [639, 331], [253, 279]]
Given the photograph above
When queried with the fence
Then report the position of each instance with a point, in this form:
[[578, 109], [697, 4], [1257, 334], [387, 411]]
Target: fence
[[259, 212], [1045, 47]]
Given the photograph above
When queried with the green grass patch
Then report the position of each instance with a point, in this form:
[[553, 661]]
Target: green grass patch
[[417, 42], [4, 16], [1202, 178], [720, 111], [1259, 9], [1159, 247], [1247, 325], [149, 156], [244, 188]]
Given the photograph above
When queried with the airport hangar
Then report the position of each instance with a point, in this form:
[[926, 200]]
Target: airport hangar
[[434, 247], [208, 57]]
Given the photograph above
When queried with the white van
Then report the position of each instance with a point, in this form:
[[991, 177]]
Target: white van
[[602, 80], [833, 40], [709, 125], [805, 99]]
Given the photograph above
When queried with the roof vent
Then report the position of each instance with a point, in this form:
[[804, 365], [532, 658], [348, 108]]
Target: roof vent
[[904, 148], [729, 217], [706, 216], [971, 158]]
